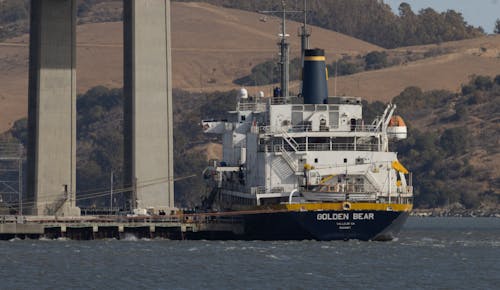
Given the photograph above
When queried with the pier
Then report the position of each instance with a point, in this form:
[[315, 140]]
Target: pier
[[174, 227], [147, 106]]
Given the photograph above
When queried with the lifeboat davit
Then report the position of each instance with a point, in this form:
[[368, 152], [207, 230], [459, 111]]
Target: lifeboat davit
[[397, 128]]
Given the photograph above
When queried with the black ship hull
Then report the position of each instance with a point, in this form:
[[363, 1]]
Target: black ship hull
[[323, 225]]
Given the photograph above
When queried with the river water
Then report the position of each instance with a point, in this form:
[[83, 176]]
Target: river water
[[431, 253]]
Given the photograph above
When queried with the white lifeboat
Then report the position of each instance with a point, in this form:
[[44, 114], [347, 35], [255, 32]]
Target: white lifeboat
[[397, 128]]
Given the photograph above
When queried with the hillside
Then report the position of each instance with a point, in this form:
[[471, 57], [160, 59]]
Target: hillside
[[372, 20], [453, 66], [465, 58], [453, 146], [211, 47]]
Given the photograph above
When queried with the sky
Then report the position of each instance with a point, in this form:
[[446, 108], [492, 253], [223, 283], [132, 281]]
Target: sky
[[482, 13]]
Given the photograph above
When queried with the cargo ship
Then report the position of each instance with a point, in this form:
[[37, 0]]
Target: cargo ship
[[308, 166]]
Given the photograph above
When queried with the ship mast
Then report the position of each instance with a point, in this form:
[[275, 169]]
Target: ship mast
[[284, 46], [284, 56], [304, 36]]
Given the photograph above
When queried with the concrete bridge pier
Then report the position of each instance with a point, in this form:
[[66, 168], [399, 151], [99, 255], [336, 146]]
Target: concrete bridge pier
[[52, 108], [148, 103], [148, 129]]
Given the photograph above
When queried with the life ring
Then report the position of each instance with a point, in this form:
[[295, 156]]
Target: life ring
[[346, 205]]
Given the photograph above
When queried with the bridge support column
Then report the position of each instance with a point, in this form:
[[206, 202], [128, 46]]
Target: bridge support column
[[52, 108], [148, 103]]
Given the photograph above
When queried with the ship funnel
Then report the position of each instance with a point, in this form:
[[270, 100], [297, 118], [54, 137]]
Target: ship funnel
[[314, 86]]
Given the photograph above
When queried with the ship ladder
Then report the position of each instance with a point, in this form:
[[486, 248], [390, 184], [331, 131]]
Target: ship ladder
[[290, 140]]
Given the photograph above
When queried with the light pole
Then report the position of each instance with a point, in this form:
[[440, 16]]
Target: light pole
[[111, 194]]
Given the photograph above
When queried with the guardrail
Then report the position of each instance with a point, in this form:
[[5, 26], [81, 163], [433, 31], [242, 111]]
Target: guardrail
[[308, 128], [319, 147]]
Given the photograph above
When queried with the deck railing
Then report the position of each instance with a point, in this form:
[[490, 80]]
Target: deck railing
[[308, 128], [301, 147]]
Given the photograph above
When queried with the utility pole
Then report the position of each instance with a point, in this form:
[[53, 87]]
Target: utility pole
[[111, 194], [20, 179]]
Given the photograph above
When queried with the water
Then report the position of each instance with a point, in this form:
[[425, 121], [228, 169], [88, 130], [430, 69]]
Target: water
[[431, 253]]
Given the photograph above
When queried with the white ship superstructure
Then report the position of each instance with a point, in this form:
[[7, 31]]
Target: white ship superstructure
[[275, 152]]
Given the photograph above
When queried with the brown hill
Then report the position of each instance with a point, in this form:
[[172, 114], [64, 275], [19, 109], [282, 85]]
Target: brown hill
[[211, 47], [465, 58]]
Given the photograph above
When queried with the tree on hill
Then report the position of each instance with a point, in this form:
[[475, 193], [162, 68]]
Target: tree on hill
[[376, 60], [454, 141], [268, 73], [442, 158], [373, 20], [409, 23], [12, 10], [497, 26], [369, 20], [13, 18]]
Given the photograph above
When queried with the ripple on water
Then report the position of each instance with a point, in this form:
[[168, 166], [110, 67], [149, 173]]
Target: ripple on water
[[423, 257]]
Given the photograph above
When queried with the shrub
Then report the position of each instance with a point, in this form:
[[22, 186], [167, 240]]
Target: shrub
[[483, 83], [470, 199], [467, 89], [461, 112], [375, 60], [454, 140], [497, 79]]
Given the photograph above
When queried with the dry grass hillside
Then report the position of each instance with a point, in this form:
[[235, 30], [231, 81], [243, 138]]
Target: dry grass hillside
[[479, 56], [211, 47]]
